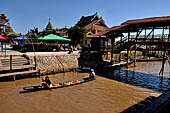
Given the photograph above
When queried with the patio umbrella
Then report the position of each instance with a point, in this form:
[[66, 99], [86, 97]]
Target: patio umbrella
[[2, 38], [20, 38], [52, 37], [12, 35]]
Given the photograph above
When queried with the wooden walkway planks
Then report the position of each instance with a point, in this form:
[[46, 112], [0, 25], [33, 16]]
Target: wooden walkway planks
[[19, 73]]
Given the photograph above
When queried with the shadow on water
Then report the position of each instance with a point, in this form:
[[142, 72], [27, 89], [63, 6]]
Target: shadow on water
[[31, 91], [140, 106], [25, 91], [148, 81]]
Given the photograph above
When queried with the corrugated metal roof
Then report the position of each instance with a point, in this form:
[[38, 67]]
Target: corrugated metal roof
[[116, 28], [147, 20]]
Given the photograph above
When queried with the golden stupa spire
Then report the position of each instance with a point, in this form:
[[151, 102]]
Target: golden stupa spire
[[9, 29], [49, 27]]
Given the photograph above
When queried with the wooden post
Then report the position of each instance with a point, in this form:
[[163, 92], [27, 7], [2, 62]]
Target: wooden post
[[135, 57], [163, 62], [137, 34], [5, 48], [120, 57], [35, 62], [103, 45], [107, 48], [53, 71], [63, 70], [128, 51], [153, 35], [2, 47], [163, 35], [145, 35], [10, 63], [112, 50], [127, 57], [169, 34], [14, 77], [128, 35], [39, 72]]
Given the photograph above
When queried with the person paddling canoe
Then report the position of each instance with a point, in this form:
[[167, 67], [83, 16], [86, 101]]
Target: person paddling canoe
[[46, 83], [92, 74]]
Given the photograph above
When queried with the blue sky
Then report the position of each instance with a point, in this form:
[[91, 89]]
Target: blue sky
[[26, 14]]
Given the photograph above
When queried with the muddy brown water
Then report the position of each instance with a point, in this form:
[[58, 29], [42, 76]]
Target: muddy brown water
[[103, 95]]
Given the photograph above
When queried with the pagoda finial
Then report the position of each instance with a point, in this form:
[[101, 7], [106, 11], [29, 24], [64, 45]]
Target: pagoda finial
[[49, 27], [49, 19]]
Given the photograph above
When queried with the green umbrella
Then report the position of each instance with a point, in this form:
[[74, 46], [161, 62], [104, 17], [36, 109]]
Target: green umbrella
[[52, 37]]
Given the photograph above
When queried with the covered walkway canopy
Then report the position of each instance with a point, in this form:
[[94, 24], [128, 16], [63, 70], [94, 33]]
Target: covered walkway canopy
[[139, 24]]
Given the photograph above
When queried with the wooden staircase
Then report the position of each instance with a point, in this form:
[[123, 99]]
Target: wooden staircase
[[16, 65], [122, 45]]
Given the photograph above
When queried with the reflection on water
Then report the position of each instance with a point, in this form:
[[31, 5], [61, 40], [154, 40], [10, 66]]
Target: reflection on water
[[145, 75], [127, 91], [149, 81]]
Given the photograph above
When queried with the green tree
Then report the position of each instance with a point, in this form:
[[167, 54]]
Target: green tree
[[33, 33], [76, 34]]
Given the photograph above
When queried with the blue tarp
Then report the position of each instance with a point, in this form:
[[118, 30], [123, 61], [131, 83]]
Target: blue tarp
[[20, 38]]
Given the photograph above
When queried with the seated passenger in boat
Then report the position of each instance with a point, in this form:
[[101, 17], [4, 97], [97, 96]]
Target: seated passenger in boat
[[92, 74], [46, 83]]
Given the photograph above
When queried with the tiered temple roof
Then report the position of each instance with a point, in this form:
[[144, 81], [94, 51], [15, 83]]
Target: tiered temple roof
[[3, 17], [3, 23], [89, 19], [94, 24]]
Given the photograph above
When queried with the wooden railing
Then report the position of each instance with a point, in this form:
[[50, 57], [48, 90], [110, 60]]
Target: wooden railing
[[14, 63], [119, 45]]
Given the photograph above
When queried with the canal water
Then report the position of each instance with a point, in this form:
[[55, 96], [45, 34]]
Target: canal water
[[112, 92]]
